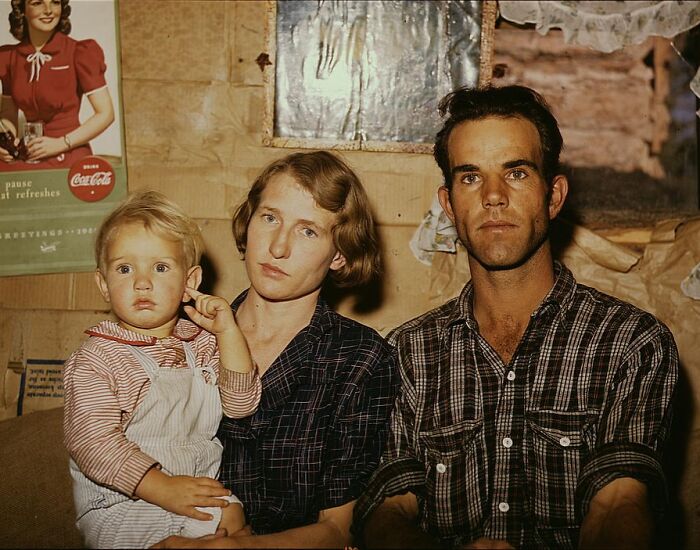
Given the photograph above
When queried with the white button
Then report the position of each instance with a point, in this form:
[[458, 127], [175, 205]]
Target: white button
[[565, 441], [441, 468], [507, 442], [503, 507], [511, 375]]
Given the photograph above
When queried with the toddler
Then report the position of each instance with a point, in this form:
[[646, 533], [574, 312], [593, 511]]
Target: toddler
[[144, 394]]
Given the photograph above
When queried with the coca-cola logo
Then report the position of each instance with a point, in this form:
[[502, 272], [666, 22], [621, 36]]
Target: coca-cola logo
[[98, 178], [91, 179]]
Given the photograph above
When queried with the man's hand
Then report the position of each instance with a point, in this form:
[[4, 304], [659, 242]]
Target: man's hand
[[394, 524], [212, 313], [181, 494], [618, 517]]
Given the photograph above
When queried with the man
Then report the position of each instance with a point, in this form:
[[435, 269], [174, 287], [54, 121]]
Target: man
[[532, 410]]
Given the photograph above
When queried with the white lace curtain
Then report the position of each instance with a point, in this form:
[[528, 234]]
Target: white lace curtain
[[607, 26]]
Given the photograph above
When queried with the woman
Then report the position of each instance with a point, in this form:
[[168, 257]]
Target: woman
[[302, 459], [45, 75]]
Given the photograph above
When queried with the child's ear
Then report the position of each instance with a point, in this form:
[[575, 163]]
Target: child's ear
[[102, 285], [194, 279]]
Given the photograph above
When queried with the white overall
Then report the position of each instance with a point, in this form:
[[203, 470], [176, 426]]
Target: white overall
[[175, 424]]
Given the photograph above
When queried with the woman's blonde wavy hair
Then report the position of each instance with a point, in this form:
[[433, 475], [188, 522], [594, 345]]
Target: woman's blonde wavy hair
[[336, 188]]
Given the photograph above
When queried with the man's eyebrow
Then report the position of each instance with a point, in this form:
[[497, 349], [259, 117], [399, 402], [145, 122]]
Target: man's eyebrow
[[464, 168], [521, 162]]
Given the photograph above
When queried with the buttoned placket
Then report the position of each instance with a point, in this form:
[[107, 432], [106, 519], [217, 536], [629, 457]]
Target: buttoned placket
[[508, 502], [504, 446]]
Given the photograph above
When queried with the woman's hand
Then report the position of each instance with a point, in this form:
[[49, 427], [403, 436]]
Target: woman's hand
[[217, 540], [42, 147], [5, 156]]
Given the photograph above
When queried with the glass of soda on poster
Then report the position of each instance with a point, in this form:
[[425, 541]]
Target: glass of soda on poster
[[33, 130]]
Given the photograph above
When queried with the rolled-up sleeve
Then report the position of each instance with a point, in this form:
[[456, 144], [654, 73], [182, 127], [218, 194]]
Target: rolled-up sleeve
[[635, 420]]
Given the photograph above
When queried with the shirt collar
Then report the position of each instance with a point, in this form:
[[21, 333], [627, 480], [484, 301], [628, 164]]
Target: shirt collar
[[560, 296], [185, 331], [55, 44], [463, 310], [282, 378], [321, 320], [558, 299]]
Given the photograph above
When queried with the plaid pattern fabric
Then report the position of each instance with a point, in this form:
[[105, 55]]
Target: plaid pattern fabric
[[320, 428], [517, 451]]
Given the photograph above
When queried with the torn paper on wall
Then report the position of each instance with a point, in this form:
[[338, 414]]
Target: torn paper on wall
[[691, 284]]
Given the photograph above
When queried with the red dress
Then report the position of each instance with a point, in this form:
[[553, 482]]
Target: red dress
[[51, 91]]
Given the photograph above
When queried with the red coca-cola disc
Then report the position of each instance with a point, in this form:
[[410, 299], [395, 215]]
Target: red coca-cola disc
[[91, 179]]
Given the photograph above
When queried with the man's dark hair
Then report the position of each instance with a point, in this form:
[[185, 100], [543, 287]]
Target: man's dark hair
[[509, 101]]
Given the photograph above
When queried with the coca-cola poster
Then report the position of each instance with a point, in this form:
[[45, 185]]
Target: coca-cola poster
[[62, 154]]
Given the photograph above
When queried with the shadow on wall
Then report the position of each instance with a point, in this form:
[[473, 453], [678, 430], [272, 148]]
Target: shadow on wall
[[366, 298], [671, 532], [209, 275]]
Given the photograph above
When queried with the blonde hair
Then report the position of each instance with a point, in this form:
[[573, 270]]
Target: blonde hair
[[158, 214], [336, 188]]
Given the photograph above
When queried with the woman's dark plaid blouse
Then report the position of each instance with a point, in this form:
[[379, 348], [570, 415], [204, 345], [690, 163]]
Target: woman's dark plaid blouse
[[321, 426], [516, 452]]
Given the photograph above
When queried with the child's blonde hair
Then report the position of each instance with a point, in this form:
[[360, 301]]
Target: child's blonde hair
[[158, 214]]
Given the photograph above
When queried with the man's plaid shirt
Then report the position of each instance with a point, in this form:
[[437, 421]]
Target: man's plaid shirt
[[516, 452]]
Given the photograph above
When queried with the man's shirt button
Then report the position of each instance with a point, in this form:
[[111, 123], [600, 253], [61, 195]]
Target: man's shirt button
[[441, 468], [565, 441], [511, 375], [503, 507], [507, 442]]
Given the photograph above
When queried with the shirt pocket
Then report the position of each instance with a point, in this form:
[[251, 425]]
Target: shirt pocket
[[455, 477], [552, 464]]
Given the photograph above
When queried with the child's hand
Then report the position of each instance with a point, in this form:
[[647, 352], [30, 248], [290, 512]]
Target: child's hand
[[186, 492], [214, 314], [181, 494], [210, 312]]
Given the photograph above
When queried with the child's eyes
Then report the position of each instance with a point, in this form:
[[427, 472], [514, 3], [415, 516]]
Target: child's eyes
[[124, 269], [162, 268]]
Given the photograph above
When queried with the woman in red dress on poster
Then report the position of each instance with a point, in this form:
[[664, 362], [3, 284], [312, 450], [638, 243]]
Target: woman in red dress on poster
[[45, 76]]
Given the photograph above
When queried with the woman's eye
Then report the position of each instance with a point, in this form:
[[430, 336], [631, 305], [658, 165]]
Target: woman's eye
[[268, 218], [162, 268], [309, 232]]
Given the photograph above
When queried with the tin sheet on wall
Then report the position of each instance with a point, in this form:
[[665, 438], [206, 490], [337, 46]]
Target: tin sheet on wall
[[50, 209], [371, 71]]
